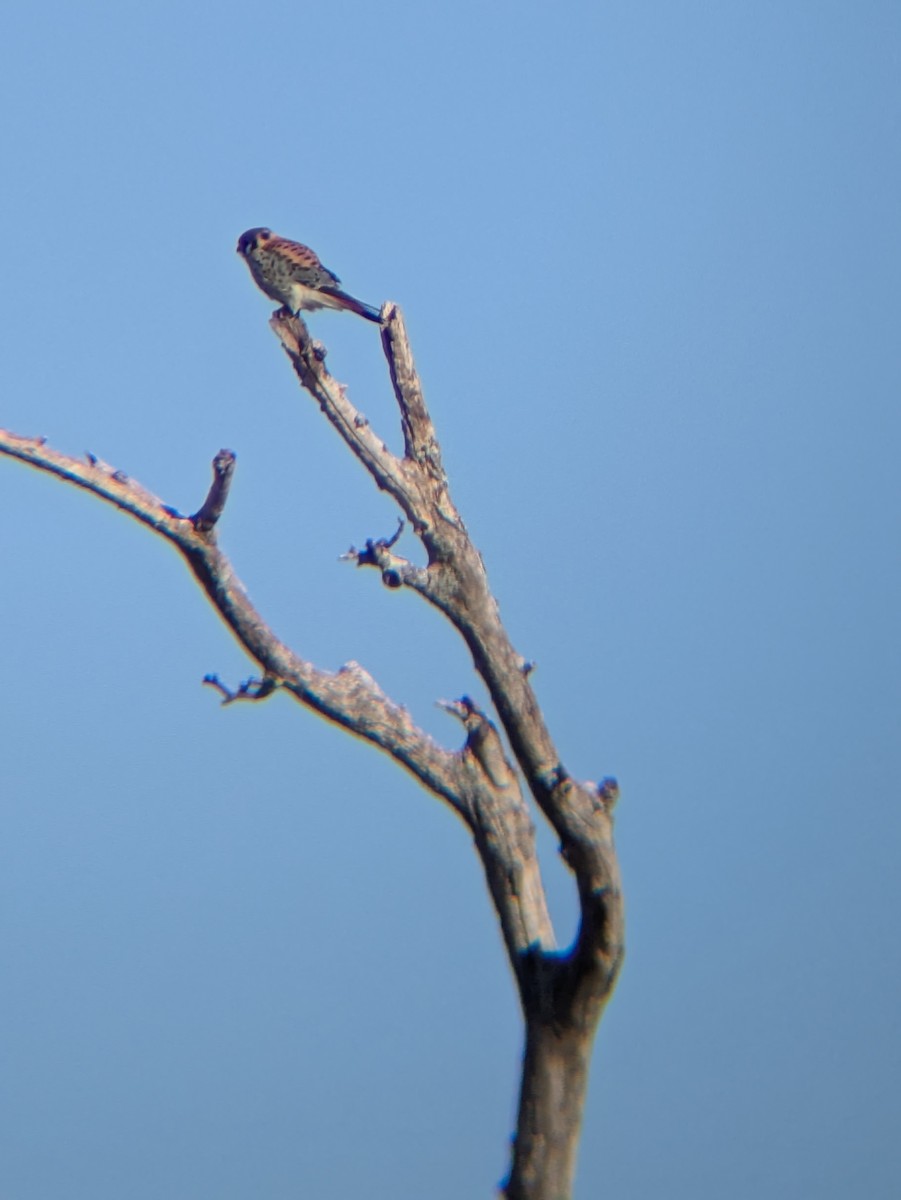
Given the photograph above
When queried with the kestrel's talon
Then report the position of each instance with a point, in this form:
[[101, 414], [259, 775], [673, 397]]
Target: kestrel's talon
[[292, 274]]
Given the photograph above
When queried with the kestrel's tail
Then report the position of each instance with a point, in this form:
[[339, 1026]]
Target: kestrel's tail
[[352, 305]]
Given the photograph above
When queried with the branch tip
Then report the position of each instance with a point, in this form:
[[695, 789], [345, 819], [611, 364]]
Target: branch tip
[[608, 792], [376, 551], [482, 741], [463, 709], [210, 511], [249, 689]]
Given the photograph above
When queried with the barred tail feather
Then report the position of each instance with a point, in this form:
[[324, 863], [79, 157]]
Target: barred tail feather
[[343, 300]]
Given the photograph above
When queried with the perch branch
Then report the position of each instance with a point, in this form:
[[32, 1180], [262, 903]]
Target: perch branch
[[456, 583], [562, 995]]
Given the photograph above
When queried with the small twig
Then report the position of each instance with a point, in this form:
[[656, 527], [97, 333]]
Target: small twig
[[365, 557], [392, 541], [396, 571], [211, 509], [250, 689], [608, 792]]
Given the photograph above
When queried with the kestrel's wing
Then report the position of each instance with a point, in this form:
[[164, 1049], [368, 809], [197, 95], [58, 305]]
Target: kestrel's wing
[[303, 263]]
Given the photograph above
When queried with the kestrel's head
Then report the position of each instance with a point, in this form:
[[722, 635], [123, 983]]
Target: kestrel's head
[[249, 241]]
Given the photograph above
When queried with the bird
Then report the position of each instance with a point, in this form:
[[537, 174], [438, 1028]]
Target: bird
[[292, 274]]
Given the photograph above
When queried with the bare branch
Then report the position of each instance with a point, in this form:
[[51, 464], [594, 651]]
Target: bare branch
[[250, 689], [505, 840], [456, 583], [211, 509], [491, 805], [350, 698], [396, 571], [94, 476], [420, 440], [308, 361]]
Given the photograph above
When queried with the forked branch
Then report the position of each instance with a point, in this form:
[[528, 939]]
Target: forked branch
[[562, 994]]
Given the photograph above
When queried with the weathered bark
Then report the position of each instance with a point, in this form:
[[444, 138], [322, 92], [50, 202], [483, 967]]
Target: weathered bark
[[552, 1099], [562, 995]]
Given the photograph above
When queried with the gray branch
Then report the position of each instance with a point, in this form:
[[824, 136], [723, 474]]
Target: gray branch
[[562, 994], [349, 697]]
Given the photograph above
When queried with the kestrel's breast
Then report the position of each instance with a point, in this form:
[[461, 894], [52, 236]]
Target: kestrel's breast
[[270, 275]]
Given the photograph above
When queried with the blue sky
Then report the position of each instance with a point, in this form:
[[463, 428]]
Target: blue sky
[[649, 256]]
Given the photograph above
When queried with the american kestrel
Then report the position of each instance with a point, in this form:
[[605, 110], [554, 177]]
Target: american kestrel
[[293, 275]]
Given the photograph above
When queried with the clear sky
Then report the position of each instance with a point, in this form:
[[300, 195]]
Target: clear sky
[[649, 256]]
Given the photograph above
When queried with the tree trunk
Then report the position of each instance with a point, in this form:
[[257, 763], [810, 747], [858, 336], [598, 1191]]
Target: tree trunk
[[551, 1102]]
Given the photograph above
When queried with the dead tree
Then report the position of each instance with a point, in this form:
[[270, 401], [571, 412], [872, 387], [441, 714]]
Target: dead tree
[[562, 993]]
